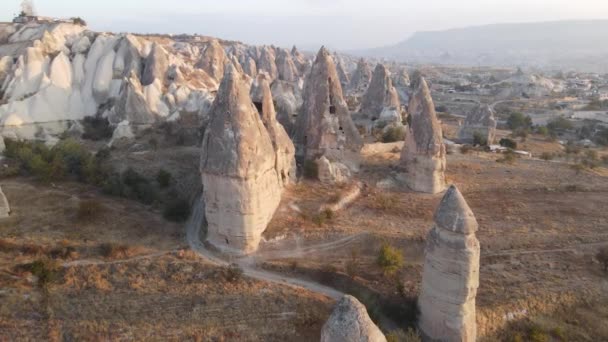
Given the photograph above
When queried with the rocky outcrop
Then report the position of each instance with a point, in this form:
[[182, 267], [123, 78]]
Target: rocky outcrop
[[288, 99], [132, 105], [342, 74], [213, 60], [423, 156], [349, 322], [285, 164], [361, 78], [266, 63], [380, 95], [242, 188], [156, 66], [451, 273], [286, 68], [401, 82], [5, 209], [300, 61], [480, 124], [324, 126]]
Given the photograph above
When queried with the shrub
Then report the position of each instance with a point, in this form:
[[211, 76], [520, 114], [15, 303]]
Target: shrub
[[389, 259], [138, 187], [177, 210], [352, 264], [519, 121], [509, 157], [45, 270], [465, 149], [96, 128], [480, 139], [542, 130], [559, 124], [320, 218], [393, 134], [602, 257], [232, 273], [508, 143], [311, 169], [546, 156], [403, 336], [113, 250], [163, 178]]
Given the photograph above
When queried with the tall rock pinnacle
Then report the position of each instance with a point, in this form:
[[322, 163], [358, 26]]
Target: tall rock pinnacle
[[380, 94], [324, 127], [423, 156], [242, 188], [451, 273]]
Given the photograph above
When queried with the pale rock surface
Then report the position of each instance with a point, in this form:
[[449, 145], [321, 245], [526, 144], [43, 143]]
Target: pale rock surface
[[283, 146], [5, 209], [238, 167], [349, 322], [423, 156], [401, 82], [266, 63], [342, 74], [380, 95], [332, 173], [132, 105], [213, 60], [156, 66], [288, 99], [122, 133], [324, 126], [361, 78], [450, 277], [300, 61], [480, 121], [286, 68]]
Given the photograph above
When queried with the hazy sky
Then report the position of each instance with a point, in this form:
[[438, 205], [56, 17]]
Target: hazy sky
[[339, 24]]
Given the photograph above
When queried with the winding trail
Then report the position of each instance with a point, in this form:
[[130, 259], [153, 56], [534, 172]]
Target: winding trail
[[193, 231]]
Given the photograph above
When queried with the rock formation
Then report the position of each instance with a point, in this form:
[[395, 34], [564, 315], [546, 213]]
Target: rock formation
[[423, 156], [266, 63], [285, 151], [242, 187], [401, 82], [5, 209], [288, 99], [481, 124], [286, 69], [300, 61], [380, 96], [451, 273], [360, 79], [349, 322], [213, 60], [324, 126], [156, 66]]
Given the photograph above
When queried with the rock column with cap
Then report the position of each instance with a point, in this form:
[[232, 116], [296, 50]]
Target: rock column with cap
[[451, 273], [242, 188]]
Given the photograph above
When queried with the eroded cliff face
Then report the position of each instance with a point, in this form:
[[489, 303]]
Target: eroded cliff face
[[52, 73], [324, 127], [451, 273], [241, 170], [423, 156], [350, 322]]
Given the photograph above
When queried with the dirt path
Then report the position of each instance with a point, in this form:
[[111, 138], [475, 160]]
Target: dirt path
[[575, 248], [193, 230], [78, 263]]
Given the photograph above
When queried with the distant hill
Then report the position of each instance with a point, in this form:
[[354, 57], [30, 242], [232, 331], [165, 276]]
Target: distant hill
[[579, 45]]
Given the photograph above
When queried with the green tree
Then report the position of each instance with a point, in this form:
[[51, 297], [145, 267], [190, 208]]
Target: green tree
[[389, 259], [519, 121]]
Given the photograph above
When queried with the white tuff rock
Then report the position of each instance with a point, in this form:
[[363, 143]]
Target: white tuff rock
[[349, 322], [423, 156], [239, 169], [451, 273]]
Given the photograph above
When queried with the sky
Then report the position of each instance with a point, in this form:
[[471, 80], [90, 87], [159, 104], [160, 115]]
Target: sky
[[338, 24]]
